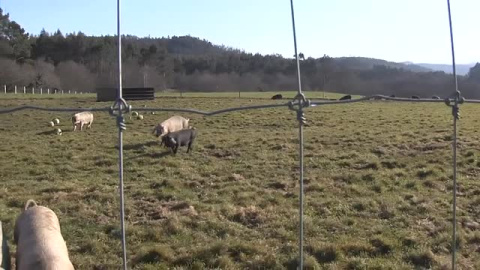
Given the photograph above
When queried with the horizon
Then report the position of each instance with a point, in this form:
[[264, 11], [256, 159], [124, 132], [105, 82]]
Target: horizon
[[397, 31]]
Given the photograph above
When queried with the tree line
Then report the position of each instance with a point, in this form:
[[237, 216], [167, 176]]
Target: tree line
[[79, 62]]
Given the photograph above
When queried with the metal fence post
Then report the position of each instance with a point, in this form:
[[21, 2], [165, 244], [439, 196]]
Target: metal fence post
[[41, 91], [15, 89], [24, 90], [33, 90]]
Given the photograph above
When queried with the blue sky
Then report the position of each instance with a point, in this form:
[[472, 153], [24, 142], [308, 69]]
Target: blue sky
[[394, 30]]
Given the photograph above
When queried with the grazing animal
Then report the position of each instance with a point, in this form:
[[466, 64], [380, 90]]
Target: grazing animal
[[39, 241], [277, 96], [180, 138], [435, 97], [415, 97], [81, 119], [347, 97], [172, 124]]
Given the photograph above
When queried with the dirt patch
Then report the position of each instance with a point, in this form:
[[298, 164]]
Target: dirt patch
[[226, 154], [250, 216], [154, 211], [237, 177]]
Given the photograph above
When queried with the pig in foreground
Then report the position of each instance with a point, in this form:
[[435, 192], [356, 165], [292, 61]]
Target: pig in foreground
[[180, 138], [172, 124], [40, 244], [81, 119]]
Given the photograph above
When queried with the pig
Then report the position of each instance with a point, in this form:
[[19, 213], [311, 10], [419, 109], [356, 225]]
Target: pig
[[39, 241], [82, 118], [182, 137], [172, 124], [277, 96], [347, 97]]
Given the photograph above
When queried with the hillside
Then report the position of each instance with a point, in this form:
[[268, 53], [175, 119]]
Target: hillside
[[462, 69], [363, 63], [78, 62]]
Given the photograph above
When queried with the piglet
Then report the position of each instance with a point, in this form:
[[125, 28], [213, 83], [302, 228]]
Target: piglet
[[180, 138]]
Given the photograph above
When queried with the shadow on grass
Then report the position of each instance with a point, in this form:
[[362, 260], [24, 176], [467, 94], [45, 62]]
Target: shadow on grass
[[49, 132], [152, 155], [53, 132], [160, 155], [138, 146]]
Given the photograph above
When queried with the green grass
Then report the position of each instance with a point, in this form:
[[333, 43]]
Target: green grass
[[254, 95], [174, 93], [377, 185]]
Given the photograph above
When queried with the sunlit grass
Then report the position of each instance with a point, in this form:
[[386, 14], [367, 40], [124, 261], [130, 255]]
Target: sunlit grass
[[377, 185]]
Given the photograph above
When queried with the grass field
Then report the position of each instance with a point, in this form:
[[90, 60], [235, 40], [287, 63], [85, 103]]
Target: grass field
[[377, 185], [172, 93], [255, 95]]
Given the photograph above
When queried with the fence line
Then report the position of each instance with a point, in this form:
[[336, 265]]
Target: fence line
[[121, 106], [374, 98], [41, 92], [301, 121], [297, 104], [457, 99]]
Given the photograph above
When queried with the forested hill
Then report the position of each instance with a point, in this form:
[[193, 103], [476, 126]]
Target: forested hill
[[79, 62], [462, 69], [362, 63]]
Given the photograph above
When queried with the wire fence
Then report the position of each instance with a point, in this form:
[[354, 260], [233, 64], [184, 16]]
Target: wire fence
[[289, 104], [14, 89], [298, 104]]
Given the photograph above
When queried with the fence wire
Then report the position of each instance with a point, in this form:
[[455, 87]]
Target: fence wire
[[293, 104], [297, 104], [301, 121], [307, 103], [118, 108], [457, 99]]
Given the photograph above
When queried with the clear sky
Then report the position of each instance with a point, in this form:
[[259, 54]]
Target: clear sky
[[394, 30]]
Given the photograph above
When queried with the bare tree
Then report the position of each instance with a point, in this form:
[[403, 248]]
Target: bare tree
[[74, 76]]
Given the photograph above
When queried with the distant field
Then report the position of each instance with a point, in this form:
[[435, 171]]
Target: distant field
[[255, 95], [45, 96], [377, 185], [268, 95]]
